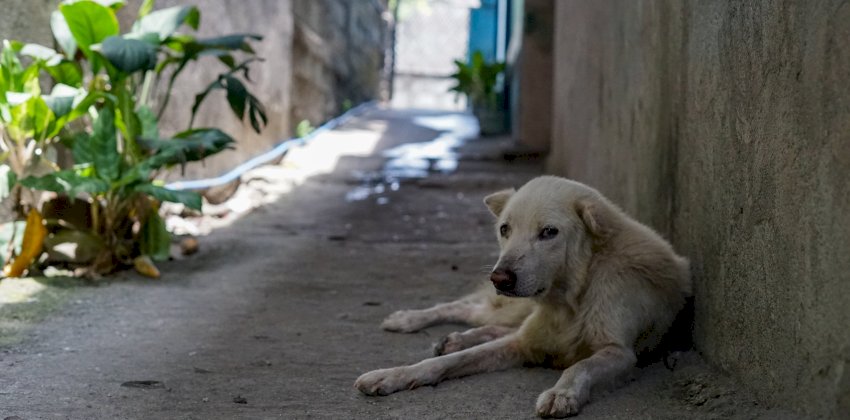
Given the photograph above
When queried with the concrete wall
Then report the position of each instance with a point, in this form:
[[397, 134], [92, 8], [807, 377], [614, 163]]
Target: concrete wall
[[726, 126], [533, 112], [25, 20]]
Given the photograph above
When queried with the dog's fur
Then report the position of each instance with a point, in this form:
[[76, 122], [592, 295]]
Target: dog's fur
[[588, 298]]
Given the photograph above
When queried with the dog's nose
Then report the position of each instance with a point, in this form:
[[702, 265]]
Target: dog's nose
[[504, 280]]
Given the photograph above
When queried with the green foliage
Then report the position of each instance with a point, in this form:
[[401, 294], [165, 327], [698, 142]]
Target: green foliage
[[478, 80], [11, 238], [303, 129], [238, 97], [154, 239], [186, 146], [129, 55], [88, 22], [107, 79]]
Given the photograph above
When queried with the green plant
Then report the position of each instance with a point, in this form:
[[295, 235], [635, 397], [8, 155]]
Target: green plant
[[304, 128], [478, 80], [119, 152], [30, 120]]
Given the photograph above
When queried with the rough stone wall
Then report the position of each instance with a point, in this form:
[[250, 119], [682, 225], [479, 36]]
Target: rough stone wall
[[26, 20], [271, 79], [726, 126], [338, 56]]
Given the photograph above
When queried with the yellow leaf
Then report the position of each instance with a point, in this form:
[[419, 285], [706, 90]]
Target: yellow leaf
[[33, 244], [145, 267]]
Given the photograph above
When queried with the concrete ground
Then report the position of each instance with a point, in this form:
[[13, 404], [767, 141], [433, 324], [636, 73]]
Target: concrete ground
[[278, 313]]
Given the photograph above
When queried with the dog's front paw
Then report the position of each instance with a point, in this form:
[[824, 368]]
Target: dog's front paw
[[451, 343], [382, 382], [558, 403], [404, 321]]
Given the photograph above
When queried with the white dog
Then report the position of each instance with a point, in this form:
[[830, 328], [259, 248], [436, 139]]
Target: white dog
[[579, 286]]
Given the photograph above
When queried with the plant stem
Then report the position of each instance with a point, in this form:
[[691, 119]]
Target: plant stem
[[95, 213], [146, 88]]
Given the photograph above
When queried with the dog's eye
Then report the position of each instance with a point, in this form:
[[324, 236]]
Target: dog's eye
[[548, 233], [504, 230]]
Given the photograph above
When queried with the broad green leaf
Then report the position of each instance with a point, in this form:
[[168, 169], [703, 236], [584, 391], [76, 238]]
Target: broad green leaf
[[257, 113], [149, 123], [136, 174], [61, 89], [79, 107], [151, 38], [213, 141], [112, 4], [3, 88], [61, 99], [17, 98], [66, 72], [29, 80], [179, 42], [227, 60], [60, 105], [66, 181], [199, 98], [13, 75], [125, 117], [89, 22], [104, 146], [81, 150], [146, 8], [187, 146], [62, 34], [31, 119], [166, 21], [230, 42], [49, 182], [237, 96], [39, 52], [8, 179], [154, 238], [189, 198], [129, 55], [11, 236]]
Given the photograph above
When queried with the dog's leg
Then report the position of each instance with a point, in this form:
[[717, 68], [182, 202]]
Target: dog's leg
[[458, 341], [573, 388], [499, 354], [460, 311]]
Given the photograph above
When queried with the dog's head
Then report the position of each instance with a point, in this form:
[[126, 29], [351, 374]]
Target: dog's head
[[544, 229]]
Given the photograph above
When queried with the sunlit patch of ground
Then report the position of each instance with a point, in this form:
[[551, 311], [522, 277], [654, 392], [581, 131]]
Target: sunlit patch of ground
[[26, 301]]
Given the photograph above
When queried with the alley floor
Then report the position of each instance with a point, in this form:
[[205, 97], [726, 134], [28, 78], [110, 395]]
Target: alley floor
[[278, 313]]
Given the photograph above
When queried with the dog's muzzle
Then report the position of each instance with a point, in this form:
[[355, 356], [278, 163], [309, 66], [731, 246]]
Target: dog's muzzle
[[503, 280]]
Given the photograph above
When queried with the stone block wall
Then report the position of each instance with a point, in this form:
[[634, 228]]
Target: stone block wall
[[338, 50]]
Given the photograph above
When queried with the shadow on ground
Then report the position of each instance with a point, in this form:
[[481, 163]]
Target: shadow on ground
[[279, 312]]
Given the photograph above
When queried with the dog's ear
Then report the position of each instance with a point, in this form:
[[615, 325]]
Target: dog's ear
[[496, 201], [593, 217]]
